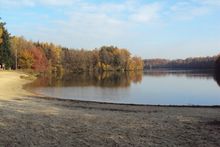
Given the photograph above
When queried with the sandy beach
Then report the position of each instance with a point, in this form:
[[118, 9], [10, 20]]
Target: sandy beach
[[28, 120], [11, 85]]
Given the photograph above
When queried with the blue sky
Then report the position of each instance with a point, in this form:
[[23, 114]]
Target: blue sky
[[148, 28]]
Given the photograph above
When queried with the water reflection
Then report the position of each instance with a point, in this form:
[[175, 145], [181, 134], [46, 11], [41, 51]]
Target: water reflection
[[217, 76], [105, 79], [117, 79], [150, 87], [207, 74]]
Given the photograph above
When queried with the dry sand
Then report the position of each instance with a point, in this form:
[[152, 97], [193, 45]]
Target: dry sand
[[27, 120], [11, 85]]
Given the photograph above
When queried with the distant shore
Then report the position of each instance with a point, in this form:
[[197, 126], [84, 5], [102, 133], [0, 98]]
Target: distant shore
[[29, 120]]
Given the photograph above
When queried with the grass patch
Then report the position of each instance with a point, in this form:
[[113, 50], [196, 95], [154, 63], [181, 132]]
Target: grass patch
[[28, 77]]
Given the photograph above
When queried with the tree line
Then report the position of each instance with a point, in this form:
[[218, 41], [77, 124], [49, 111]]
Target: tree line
[[188, 63], [19, 53], [217, 63], [107, 58]]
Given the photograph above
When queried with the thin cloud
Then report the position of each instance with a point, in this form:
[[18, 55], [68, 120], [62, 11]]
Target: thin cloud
[[147, 13], [31, 3], [187, 11], [16, 3], [213, 3], [57, 2]]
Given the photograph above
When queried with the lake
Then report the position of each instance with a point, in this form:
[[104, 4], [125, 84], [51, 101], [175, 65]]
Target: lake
[[160, 87]]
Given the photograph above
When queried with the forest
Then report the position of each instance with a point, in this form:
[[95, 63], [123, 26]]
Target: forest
[[19, 53], [218, 63], [189, 63]]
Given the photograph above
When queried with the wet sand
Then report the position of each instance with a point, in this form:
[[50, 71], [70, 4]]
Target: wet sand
[[29, 120]]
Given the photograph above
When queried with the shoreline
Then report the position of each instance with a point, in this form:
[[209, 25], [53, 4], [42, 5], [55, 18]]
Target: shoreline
[[41, 96], [121, 104], [30, 120]]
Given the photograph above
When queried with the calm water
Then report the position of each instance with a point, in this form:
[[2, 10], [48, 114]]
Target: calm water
[[153, 87]]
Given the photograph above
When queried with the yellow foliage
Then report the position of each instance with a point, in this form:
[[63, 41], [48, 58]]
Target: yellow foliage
[[26, 59], [1, 32]]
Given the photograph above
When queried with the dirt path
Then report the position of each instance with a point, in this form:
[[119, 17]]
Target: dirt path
[[33, 121]]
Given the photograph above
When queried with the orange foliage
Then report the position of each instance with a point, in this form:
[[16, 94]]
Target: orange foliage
[[40, 63]]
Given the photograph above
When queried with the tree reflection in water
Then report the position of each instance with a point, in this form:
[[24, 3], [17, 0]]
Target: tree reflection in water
[[105, 79], [217, 76], [116, 79]]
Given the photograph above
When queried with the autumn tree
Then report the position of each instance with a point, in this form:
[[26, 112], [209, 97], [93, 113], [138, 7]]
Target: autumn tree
[[95, 60], [125, 55], [53, 54], [18, 45], [113, 58], [106, 56], [40, 62], [29, 56], [138, 63], [26, 59], [1, 32], [21, 51]]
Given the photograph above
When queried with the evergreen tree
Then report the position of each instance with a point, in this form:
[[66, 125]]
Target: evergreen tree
[[5, 52]]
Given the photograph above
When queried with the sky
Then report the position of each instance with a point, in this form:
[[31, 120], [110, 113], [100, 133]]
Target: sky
[[147, 28]]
